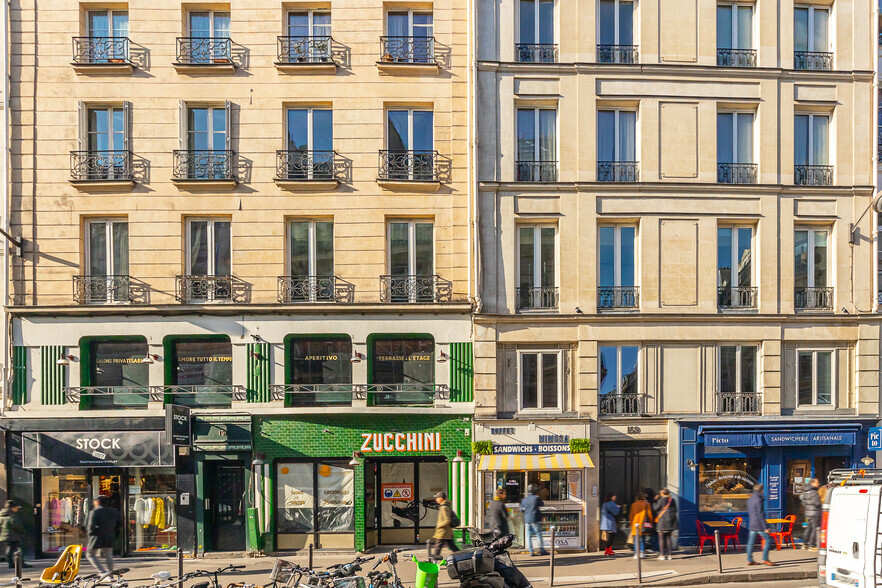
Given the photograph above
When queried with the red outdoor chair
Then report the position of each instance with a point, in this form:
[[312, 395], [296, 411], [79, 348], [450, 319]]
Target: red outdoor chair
[[785, 535], [732, 536], [702, 536]]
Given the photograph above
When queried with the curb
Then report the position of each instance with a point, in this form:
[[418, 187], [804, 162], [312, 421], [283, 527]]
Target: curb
[[739, 577]]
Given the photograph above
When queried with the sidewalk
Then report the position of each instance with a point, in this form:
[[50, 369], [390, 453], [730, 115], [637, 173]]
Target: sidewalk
[[588, 570]]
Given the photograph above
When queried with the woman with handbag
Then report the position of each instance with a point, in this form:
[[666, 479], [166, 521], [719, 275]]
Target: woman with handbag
[[665, 522], [640, 518], [609, 510]]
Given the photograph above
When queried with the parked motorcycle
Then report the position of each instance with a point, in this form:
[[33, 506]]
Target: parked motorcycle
[[486, 565]]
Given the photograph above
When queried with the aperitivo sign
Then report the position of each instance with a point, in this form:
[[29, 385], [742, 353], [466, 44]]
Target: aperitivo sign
[[400, 442]]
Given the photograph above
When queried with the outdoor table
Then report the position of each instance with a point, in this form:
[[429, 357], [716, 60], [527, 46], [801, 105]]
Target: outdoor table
[[718, 524]]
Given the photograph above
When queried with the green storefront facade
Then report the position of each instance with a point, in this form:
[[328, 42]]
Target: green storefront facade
[[352, 481]]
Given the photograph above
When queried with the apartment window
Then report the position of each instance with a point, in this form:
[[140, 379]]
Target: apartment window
[[814, 378], [536, 41], [309, 23], [735, 267], [618, 380], [617, 286], [311, 248], [108, 23], [104, 144], [811, 150], [108, 33], [411, 259], [537, 145], [811, 48], [540, 380], [106, 129], [308, 36], [811, 268], [735, 35], [209, 252], [738, 379], [209, 38], [537, 267], [735, 164], [410, 143], [616, 32], [616, 146], [410, 37], [107, 262], [310, 143], [206, 145]]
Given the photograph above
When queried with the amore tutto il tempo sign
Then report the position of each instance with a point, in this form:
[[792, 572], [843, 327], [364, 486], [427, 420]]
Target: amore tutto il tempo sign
[[400, 442]]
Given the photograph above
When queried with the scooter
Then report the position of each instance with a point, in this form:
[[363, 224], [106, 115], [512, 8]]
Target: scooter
[[486, 565]]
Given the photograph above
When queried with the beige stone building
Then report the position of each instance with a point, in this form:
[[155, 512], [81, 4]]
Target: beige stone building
[[676, 251], [260, 210]]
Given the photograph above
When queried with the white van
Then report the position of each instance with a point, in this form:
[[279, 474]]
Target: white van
[[850, 554]]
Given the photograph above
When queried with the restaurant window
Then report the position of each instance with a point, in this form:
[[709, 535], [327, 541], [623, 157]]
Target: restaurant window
[[402, 369], [151, 507], [540, 381], [724, 485], [298, 485], [814, 378], [203, 368], [320, 370], [552, 485], [118, 366]]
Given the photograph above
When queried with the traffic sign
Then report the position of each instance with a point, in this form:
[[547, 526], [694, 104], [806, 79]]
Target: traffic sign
[[874, 439]]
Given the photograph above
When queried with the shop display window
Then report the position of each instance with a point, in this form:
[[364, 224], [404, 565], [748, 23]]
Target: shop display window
[[300, 485], [294, 497], [336, 498], [552, 485], [724, 485], [152, 524], [66, 502]]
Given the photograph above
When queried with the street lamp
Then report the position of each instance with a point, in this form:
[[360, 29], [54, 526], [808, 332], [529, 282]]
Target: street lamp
[[868, 461]]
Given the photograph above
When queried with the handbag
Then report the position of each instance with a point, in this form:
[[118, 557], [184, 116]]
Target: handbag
[[670, 500]]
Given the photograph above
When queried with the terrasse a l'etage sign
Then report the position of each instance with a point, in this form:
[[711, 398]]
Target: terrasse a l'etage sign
[[400, 442]]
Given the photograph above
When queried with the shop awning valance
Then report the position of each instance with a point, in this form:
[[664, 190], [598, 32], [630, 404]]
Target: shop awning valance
[[553, 461]]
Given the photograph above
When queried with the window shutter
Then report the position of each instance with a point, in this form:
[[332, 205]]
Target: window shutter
[[229, 134], [182, 124], [127, 125], [83, 126]]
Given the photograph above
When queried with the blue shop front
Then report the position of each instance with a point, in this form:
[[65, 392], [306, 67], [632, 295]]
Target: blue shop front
[[720, 463]]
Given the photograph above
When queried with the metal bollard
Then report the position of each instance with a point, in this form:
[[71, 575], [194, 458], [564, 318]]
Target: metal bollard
[[717, 547], [18, 560], [309, 556], [551, 558], [180, 567], [637, 550]]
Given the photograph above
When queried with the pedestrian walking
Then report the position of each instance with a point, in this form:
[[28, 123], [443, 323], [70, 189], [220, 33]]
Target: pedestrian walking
[[530, 506], [498, 514], [757, 525], [12, 531], [447, 520], [608, 526], [811, 504], [102, 527], [640, 518], [665, 522]]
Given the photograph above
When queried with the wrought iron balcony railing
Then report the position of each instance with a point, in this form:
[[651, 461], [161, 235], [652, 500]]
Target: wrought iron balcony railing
[[543, 297], [197, 289], [626, 404], [101, 50], [219, 396], [813, 175], [101, 289], [416, 50], [617, 54], [424, 289], [294, 289], [879, 140], [536, 171], [421, 166], [618, 171], [814, 298], [305, 395], [736, 173], [813, 60], [618, 297], [110, 397], [735, 403], [736, 296], [736, 57], [310, 165], [536, 52], [96, 166], [203, 164], [294, 50], [205, 51], [405, 394]]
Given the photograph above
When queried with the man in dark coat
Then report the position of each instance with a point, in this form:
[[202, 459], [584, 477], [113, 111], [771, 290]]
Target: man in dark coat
[[665, 522], [497, 514], [102, 527], [811, 504], [530, 506], [12, 531], [757, 525]]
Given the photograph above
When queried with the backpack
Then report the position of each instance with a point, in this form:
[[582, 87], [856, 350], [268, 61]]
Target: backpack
[[454, 519]]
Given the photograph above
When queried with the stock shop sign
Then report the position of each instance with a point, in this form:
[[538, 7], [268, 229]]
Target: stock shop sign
[[96, 449]]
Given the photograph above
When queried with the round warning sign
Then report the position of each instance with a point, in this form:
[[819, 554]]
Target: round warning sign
[[397, 491]]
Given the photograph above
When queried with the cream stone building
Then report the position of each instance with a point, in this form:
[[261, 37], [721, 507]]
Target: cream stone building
[[260, 210], [676, 251]]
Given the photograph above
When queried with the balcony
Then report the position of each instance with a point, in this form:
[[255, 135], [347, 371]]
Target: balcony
[[413, 170], [626, 54], [110, 397], [311, 170], [618, 171], [813, 175], [102, 170], [736, 57], [736, 173], [625, 404], [102, 55], [541, 298], [536, 171], [108, 290], [414, 55], [738, 403], [618, 297], [195, 289], [536, 53], [308, 395], [736, 297], [203, 169], [215, 396], [813, 60], [813, 298], [405, 394], [415, 289], [306, 289], [306, 54], [207, 55], [879, 143]]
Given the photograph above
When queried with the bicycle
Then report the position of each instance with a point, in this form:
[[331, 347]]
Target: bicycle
[[336, 576], [14, 582], [386, 579], [285, 574], [213, 581]]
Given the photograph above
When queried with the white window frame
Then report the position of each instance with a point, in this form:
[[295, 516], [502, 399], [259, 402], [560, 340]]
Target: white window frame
[[833, 379], [211, 13], [735, 6], [810, 140], [536, 141], [616, 32], [811, 27], [108, 223], [537, 252], [735, 114], [618, 348], [617, 146], [738, 381], [311, 245], [210, 123], [411, 243], [110, 28], [536, 23], [310, 17], [410, 125], [810, 269], [733, 246], [617, 253], [309, 125], [539, 395], [410, 13], [209, 244]]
